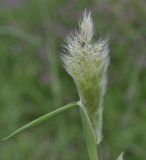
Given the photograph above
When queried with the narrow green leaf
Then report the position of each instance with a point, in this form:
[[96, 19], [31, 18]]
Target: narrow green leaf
[[42, 119], [121, 156]]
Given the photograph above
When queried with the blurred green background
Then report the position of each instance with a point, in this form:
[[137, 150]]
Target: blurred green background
[[33, 81]]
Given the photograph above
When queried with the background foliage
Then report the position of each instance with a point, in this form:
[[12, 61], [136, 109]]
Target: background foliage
[[33, 81]]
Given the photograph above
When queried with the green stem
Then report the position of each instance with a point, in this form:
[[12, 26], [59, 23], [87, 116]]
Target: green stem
[[50, 51], [89, 136], [42, 119]]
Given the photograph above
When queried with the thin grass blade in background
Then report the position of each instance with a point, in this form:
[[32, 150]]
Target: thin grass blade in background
[[121, 156], [7, 30]]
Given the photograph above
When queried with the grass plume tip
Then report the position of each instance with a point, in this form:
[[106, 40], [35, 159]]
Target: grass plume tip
[[86, 60]]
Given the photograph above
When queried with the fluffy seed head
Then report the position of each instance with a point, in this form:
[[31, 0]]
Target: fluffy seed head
[[87, 61]]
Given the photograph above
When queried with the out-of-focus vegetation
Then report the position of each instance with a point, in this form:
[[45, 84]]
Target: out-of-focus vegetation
[[33, 81]]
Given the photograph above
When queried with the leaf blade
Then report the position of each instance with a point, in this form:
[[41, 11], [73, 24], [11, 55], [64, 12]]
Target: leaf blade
[[120, 156], [41, 119]]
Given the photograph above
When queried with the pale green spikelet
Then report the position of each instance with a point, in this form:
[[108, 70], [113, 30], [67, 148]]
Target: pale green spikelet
[[86, 61]]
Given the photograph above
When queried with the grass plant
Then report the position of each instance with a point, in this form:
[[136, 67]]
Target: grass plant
[[86, 60]]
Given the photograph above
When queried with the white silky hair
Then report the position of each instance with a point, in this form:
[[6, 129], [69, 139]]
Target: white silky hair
[[87, 61]]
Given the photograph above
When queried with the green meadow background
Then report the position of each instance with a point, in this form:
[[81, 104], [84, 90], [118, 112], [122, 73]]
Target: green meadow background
[[33, 81]]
